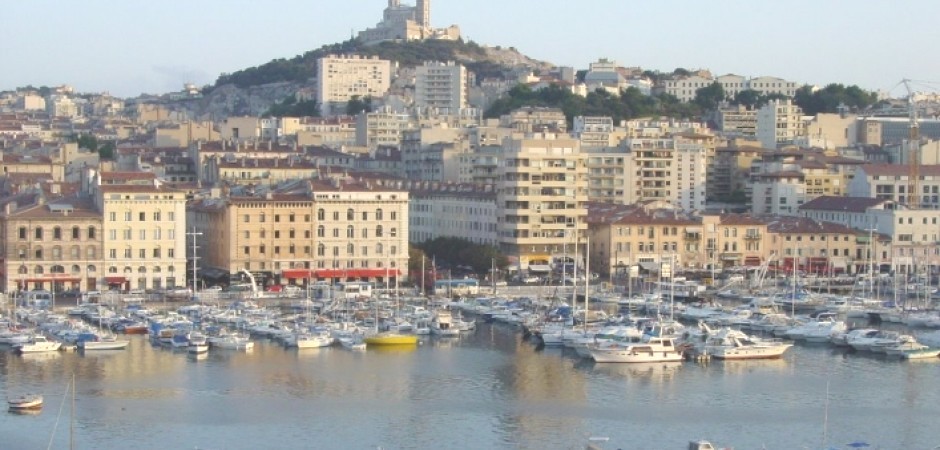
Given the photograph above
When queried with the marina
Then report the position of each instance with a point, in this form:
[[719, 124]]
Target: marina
[[493, 385]]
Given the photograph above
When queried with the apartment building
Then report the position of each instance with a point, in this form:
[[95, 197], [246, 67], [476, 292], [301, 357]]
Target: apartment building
[[452, 210], [892, 182], [820, 247], [53, 245], [779, 122], [144, 230], [441, 86], [381, 128], [737, 121], [303, 231], [541, 195], [342, 77]]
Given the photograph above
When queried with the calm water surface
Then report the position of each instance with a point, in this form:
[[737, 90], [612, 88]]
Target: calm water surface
[[487, 390]]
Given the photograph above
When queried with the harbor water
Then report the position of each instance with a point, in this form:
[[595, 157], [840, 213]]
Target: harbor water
[[489, 389]]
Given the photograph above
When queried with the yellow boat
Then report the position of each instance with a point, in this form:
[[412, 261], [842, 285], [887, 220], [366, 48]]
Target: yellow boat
[[389, 338]]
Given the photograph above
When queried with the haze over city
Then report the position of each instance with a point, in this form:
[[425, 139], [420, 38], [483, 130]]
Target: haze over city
[[154, 47]]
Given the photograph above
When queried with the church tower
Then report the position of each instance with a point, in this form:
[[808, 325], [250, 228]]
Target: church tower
[[423, 13], [393, 3]]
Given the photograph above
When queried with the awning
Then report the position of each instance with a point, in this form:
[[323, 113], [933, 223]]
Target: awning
[[730, 256], [650, 266], [115, 280], [297, 273], [539, 268], [356, 273], [752, 261]]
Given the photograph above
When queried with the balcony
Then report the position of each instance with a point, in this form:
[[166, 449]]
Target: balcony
[[752, 236]]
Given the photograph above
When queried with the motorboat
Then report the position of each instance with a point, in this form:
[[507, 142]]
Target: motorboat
[[733, 344], [913, 350], [654, 349], [313, 340], [443, 325], [391, 338], [25, 402], [91, 341], [232, 341], [38, 344], [198, 343]]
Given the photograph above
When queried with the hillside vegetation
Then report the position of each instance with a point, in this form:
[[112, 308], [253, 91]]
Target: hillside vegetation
[[485, 62]]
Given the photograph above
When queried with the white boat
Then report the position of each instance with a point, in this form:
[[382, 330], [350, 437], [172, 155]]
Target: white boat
[[352, 342], [232, 342], [25, 402], [733, 344], [313, 340], [443, 325], [913, 350], [198, 343], [655, 349], [38, 344], [106, 342]]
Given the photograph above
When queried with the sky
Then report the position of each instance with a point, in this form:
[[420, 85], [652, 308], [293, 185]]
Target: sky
[[133, 47]]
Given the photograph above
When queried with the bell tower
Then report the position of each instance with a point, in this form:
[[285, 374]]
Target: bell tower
[[423, 12]]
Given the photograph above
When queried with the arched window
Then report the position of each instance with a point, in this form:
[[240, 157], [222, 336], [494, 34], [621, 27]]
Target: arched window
[[157, 269], [38, 252], [350, 214], [57, 269], [379, 248], [76, 233], [112, 269], [350, 232], [350, 249], [56, 233], [92, 232], [92, 269], [37, 269], [378, 231], [23, 270], [321, 231], [321, 214], [321, 250], [76, 268], [141, 269], [127, 269]]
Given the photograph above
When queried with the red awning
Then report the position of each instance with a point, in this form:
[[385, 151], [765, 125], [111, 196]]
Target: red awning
[[356, 273], [115, 280], [296, 273]]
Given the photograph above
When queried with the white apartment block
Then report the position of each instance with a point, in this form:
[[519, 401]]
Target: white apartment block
[[779, 122], [596, 132], [914, 233], [737, 121], [340, 78], [441, 86], [431, 154], [778, 193], [684, 88], [463, 211], [541, 195], [891, 182], [479, 166]]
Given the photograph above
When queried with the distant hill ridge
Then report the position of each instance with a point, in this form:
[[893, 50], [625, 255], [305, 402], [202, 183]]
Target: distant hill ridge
[[483, 61]]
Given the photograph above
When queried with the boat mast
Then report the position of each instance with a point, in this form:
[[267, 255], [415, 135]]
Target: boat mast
[[587, 275]]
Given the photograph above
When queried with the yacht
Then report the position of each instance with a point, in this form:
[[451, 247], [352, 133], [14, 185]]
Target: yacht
[[38, 344], [733, 344], [655, 349]]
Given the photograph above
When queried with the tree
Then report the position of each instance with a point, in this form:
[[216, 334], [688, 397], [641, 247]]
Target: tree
[[106, 151], [357, 105], [748, 97], [709, 97], [87, 142]]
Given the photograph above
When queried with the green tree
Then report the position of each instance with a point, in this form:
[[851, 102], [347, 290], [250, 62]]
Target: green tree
[[106, 151], [748, 97], [709, 97], [357, 105], [87, 142]]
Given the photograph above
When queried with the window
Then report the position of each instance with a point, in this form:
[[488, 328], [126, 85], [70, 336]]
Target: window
[[277, 249], [261, 249], [172, 254], [378, 231], [127, 253], [112, 217], [75, 233], [350, 232], [261, 218], [127, 235], [393, 215], [321, 214], [350, 249], [247, 251], [365, 216], [156, 216], [321, 250], [246, 218], [277, 234], [38, 233], [393, 232], [142, 253], [350, 214], [307, 234], [291, 249], [171, 216], [307, 218], [127, 216], [142, 216], [56, 233], [378, 214], [113, 253], [157, 234], [290, 217], [171, 234], [336, 232], [365, 232], [335, 215], [379, 248], [277, 217], [91, 232], [321, 231], [142, 235], [156, 253], [22, 232]]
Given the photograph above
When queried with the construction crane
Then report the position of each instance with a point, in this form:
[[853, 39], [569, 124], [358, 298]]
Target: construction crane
[[913, 144]]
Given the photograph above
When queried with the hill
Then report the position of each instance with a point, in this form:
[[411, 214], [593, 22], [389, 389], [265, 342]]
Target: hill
[[484, 61]]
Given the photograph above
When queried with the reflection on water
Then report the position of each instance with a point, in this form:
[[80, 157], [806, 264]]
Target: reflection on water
[[489, 389], [656, 372], [26, 412]]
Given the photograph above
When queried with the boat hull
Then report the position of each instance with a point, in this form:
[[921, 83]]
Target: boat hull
[[391, 339]]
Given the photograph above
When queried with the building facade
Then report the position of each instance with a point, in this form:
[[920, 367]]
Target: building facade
[[341, 78]]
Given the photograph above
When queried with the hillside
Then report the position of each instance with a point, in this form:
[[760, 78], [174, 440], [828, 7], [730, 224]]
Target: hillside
[[484, 61]]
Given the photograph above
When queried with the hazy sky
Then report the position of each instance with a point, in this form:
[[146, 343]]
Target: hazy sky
[[131, 47]]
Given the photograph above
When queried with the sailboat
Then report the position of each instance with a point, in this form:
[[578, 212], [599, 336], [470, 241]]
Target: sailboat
[[388, 338]]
